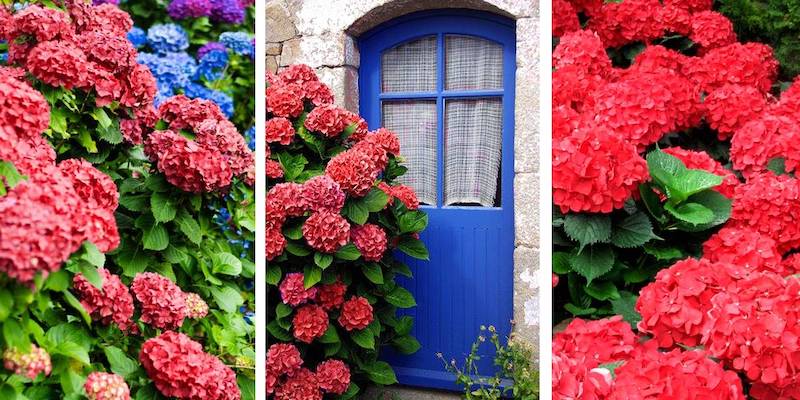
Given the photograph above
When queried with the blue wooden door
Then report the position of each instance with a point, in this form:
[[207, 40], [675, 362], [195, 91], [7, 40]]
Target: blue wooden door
[[444, 82]]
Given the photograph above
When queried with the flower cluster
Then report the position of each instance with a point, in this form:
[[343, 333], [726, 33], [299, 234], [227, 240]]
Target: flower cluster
[[219, 11], [162, 302], [29, 364], [106, 386], [180, 368], [111, 303], [288, 380]]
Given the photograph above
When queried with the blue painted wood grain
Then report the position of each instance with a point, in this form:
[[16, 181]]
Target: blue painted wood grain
[[468, 281]]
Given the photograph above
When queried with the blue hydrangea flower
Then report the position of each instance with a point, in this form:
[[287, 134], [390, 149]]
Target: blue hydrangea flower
[[212, 64], [137, 37], [239, 42], [166, 38], [3, 57], [250, 135], [198, 91], [227, 12], [209, 47], [21, 6], [172, 71]]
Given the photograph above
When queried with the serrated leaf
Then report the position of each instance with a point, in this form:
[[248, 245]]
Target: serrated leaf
[[348, 252], [626, 306], [412, 222], [693, 213], [400, 297], [120, 363], [777, 166], [273, 274], [189, 227], [292, 165], [587, 229], [356, 212], [375, 200], [593, 262], [373, 272], [92, 255], [91, 274], [9, 174], [633, 231], [714, 201], [380, 372], [228, 299], [561, 262], [227, 264], [163, 207], [664, 167], [406, 344], [603, 290], [664, 253], [330, 336], [312, 275], [297, 249], [579, 311], [694, 181], [364, 338], [414, 248], [323, 260], [155, 237]]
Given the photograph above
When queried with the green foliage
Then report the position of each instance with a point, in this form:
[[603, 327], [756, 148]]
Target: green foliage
[[516, 377], [774, 22], [608, 257]]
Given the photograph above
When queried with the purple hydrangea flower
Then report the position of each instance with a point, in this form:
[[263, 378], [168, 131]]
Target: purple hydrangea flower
[[182, 9], [227, 11], [209, 47]]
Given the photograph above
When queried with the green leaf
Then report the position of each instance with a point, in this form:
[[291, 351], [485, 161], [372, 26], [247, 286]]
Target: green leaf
[[664, 168], [561, 262], [587, 229], [274, 274], [404, 325], [313, 142], [330, 336], [380, 372], [413, 247], [294, 232], [406, 344], [714, 201], [579, 311], [364, 338], [227, 264], [663, 253], [777, 166], [351, 392], [163, 207], [297, 249], [348, 252], [312, 275], [120, 363], [155, 237], [228, 299], [593, 262], [9, 173], [58, 120], [693, 213], [412, 222], [694, 181], [652, 202], [91, 274], [633, 231], [247, 387], [15, 336], [322, 260], [7, 303], [92, 255], [85, 140], [279, 333], [373, 272], [74, 303], [282, 310], [602, 290], [136, 203], [103, 120], [625, 305], [292, 165], [73, 351], [356, 211], [187, 224], [400, 297], [375, 200]]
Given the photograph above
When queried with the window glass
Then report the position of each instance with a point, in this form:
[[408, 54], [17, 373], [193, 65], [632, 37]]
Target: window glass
[[414, 122], [410, 67], [472, 63]]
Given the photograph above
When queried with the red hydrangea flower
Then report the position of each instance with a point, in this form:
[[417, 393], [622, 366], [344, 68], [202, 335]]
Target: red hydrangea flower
[[386, 139], [711, 30], [276, 242], [327, 119], [582, 49], [58, 63], [770, 205], [354, 171], [675, 305], [565, 18], [196, 307], [651, 374], [730, 107], [186, 164], [98, 226], [30, 365], [108, 18], [322, 193], [692, 6], [701, 160], [790, 265], [588, 7], [285, 100], [573, 87], [93, 186], [283, 358], [162, 302], [331, 296], [326, 232], [112, 303], [356, 314], [751, 64], [31, 156], [744, 248], [39, 228], [279, 130], [565, 121], [42, 23], [628, 21], [293, 291], [221, 136], [333, 376], [318, 93], [404, 193], [361, 126], [105, 386], [274, 170], [309, 322], [139, 89], [676, 19], [181, 112], [596, 172], [24, 112], [370, 240], [595, 342], [179, 368], [302, 385], [289, 198], [299, 74], [378, 156], [572, 379], [763, 139]]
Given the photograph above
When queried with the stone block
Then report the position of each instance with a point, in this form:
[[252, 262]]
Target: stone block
[[279, 23]]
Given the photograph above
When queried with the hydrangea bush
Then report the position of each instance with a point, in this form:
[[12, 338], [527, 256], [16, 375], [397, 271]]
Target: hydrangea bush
[[674, 158], [335, 215], [117, 282]]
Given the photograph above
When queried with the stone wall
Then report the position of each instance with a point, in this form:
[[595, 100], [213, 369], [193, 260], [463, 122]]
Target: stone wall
[[321, 33]]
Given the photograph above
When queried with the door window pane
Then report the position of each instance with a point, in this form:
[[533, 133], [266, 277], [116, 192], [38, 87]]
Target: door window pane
[[414, 122], [473, 134], [472, 63], [410, 67]]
